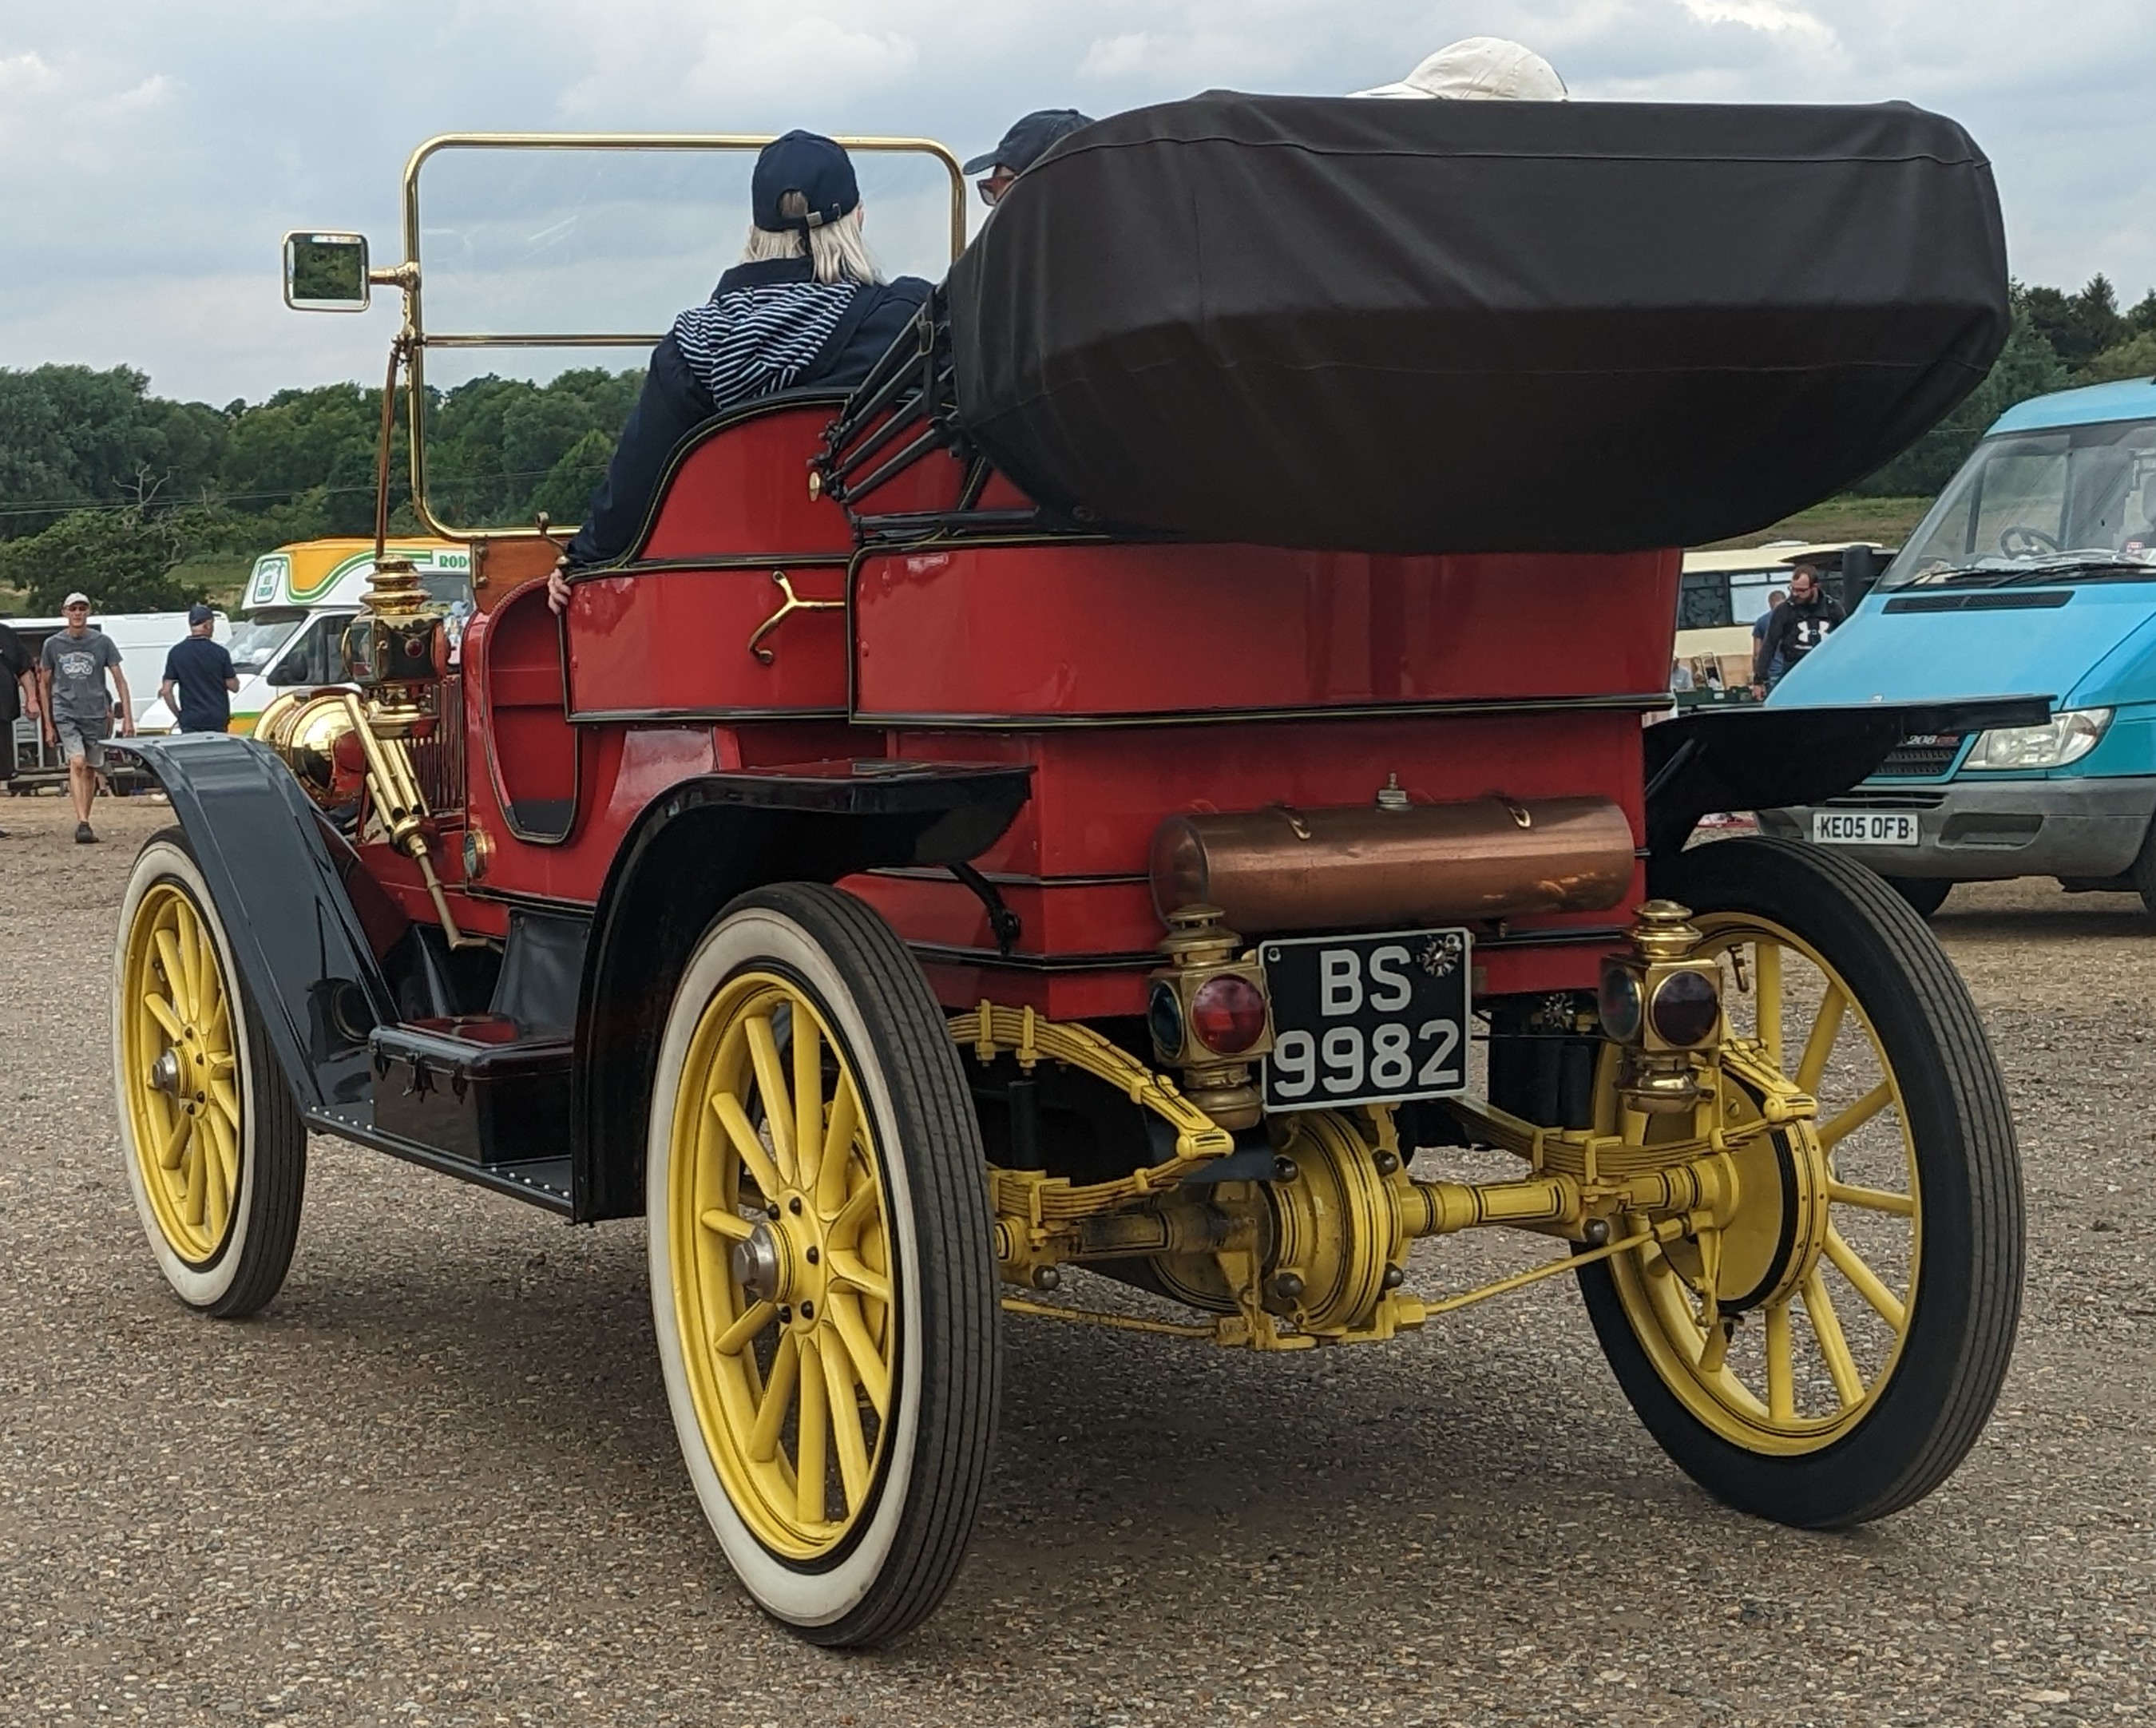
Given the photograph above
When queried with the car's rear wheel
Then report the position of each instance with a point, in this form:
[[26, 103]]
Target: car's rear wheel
[[821, 1265], [1869, 1283]]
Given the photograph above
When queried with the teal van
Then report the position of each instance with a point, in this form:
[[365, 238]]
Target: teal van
[[2035, 574]]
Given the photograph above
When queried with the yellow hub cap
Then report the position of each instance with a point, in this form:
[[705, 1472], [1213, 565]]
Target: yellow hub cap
[[783, 1287], [1818, 1260], [182, 1076]]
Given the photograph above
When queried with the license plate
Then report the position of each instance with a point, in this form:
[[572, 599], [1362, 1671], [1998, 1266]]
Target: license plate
[[1865, 828], [1370, 1019]]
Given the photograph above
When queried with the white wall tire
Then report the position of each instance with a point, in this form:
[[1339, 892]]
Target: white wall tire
[[872, 1555], [222, 1220]]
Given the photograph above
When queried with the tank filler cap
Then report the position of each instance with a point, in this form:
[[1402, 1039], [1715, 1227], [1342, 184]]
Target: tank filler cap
[[1392, 794]]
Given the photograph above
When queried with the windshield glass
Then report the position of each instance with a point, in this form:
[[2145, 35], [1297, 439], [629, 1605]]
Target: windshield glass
[[256, 640], [2076, 504]]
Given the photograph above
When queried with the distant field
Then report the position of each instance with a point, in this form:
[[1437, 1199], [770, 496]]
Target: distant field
[[1887, 521]]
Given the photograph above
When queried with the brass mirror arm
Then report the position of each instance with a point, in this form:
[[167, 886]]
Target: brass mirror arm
[[792, 603]]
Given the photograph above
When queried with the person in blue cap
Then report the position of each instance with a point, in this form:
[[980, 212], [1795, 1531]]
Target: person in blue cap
[[1024, 145], [806, 307]]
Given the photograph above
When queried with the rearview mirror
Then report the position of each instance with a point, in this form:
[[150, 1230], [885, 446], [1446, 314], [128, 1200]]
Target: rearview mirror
[[325, 272]]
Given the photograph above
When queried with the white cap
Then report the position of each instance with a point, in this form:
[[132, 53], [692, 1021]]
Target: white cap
[[1486, 68], [77, 598]]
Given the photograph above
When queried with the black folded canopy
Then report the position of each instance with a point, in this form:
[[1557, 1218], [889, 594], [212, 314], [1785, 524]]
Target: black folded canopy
[[1413, 326]]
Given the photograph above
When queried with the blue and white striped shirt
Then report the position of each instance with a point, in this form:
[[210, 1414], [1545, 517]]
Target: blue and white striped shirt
[[749, 341]]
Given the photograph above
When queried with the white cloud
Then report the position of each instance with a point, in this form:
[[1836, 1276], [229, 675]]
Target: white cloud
[[1770, 16], [155, 151]]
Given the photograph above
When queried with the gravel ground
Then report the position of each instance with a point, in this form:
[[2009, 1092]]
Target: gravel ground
[[435, 1483]]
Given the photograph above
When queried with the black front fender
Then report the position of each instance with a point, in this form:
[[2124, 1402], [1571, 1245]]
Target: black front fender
[[1760, 758], [279, 878]]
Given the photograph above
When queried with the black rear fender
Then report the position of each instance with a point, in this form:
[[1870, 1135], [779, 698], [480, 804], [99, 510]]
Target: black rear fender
[[690, 853]]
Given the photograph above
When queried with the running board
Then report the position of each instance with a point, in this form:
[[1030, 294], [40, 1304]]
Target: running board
[[543, 1182]]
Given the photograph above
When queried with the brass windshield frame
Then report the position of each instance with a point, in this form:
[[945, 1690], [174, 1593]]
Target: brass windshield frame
[[413, 340]]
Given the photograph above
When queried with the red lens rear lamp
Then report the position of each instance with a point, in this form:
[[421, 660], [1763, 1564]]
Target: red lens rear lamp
[[1228, 1014]]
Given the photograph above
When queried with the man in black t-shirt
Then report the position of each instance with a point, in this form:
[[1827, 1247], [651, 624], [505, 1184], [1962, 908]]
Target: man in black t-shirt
[[201, 670], [19, 695], [1799, 625]]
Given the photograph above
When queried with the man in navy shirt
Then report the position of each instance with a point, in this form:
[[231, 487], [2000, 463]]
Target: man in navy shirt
[[202, 671]]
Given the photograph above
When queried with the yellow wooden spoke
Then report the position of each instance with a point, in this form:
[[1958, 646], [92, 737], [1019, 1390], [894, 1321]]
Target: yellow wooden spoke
[[1826, 1327], [177, 980], [217, 1179], [771, 1084], [1781, 1371], [807, 1112], [746, 1144], [844, 1310], [1875, 1199], [1867, 1282], [1767, 994], [852, 1444], [174, 1143], [207, 994], [732, 1225], [216, 1030], [1848, 1121], [1714, 1352], [847, 1268], [224, 1138], [192, 1197], [778, 1399], [223, 1094], [832, 1167], [812, 1437], [1826, 1026], [736, 1337], [165, 1016], [859, 1208]]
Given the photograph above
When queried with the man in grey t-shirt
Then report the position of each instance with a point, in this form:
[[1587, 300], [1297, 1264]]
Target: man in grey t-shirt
[[71, 671]]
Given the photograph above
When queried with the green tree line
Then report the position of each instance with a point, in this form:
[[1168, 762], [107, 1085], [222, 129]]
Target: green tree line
[[109, 489]]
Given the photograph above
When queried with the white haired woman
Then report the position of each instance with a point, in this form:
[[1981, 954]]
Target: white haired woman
[[806, 306]]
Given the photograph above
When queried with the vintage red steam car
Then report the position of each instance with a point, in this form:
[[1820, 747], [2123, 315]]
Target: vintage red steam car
[[1155, 782]]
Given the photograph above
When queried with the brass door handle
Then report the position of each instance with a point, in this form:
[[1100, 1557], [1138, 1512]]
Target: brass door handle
[[792, 603]]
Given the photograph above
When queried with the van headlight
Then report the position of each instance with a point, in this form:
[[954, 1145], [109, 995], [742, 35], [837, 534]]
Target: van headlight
[[2066, 737]]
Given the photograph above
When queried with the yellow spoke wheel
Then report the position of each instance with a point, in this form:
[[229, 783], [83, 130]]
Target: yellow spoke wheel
[[823, 1275], [778, 1222], [216, 1152], [1865, 1288]]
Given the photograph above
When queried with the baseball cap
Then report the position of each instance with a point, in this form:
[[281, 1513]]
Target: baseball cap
[[1481, 68], [810, 164], [199, 613], [1029, 140], [77, 598]]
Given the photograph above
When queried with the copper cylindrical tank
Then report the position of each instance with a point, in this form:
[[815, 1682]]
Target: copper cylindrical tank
[[1280, 868]]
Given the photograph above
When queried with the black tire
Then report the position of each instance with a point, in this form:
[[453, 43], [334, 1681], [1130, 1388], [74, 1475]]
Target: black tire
[[244, 1268], [1961, 1323], [2140, 875], [1925, 895], [884, 1028]]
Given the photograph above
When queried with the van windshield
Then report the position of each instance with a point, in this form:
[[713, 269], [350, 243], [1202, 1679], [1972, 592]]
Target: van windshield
[[2074, 503], [254, 641]]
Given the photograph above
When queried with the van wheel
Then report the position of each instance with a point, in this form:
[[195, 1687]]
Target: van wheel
[[822, 1272], [1925, 895], [215, 1148], [2140, 875]]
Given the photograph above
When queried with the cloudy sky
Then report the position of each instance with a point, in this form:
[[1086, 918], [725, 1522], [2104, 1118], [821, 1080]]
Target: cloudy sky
[[151, 153]]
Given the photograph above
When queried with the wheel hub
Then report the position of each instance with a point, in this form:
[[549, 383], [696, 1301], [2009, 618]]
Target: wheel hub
[[164, 1072], [760, 1265]]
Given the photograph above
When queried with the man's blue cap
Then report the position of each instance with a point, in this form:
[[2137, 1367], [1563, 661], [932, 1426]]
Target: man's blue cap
[[810, 164], [199, 613], [1029, 139]]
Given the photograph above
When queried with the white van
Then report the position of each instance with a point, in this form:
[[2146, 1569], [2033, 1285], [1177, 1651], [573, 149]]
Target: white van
[[298, 600]]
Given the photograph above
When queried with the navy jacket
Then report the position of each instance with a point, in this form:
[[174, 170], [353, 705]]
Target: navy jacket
[[766, 327]]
